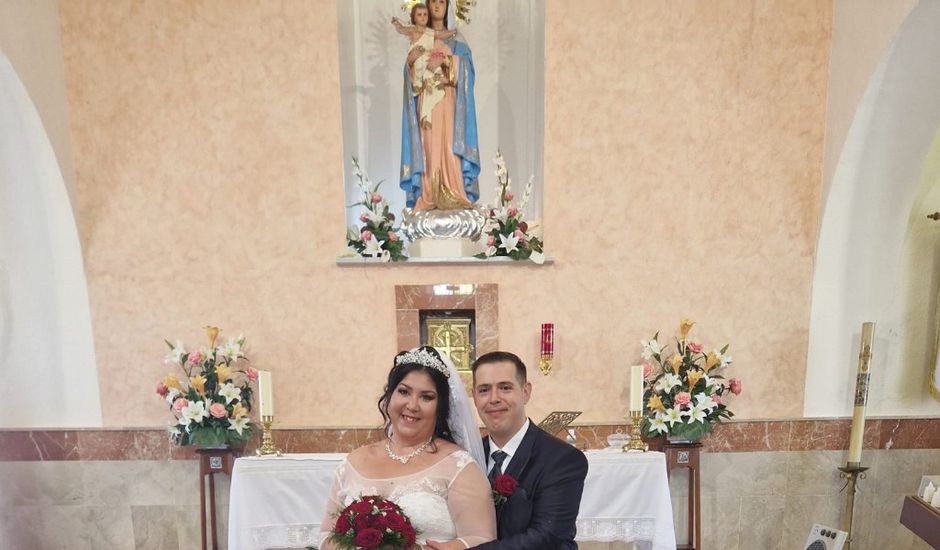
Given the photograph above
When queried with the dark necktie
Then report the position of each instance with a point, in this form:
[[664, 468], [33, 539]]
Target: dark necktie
[[498, 458]]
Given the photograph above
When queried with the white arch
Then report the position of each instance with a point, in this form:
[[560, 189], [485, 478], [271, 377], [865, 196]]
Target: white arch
[[860, 273], [47, 360]]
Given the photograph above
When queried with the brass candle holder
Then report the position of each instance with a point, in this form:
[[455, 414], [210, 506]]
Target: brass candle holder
[[636, 434], [267, 438], [851, 472]]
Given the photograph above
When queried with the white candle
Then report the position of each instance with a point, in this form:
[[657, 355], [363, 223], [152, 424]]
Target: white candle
[[861, 394], [929, 491], [265, 393], [636, 388]]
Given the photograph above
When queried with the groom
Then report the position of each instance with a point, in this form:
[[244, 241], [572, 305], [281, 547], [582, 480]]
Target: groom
[[541, 512]]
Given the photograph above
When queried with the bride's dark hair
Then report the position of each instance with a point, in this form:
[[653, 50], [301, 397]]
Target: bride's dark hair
[[399, 372]]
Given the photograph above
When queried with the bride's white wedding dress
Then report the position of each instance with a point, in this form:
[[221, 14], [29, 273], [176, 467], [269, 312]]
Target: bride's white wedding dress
[[448, 500]]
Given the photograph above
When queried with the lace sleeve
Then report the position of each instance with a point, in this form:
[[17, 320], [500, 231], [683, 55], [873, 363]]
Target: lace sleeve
[[333, 506], [470, 501]]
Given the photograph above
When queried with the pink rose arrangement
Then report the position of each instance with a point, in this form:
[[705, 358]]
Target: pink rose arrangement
[[377, 237], [507, 234], [211, 400], [685, 392]]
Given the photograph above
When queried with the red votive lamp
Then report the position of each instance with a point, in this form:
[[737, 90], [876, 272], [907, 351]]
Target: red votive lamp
[[547, 348]]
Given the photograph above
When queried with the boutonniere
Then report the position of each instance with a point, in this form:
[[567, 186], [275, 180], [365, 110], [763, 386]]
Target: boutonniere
[[503, 488]]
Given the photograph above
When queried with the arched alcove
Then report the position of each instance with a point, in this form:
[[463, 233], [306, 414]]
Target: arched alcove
[[864, 268], [47, 360]]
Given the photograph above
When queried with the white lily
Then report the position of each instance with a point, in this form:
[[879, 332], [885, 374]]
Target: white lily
[[651, 348], [238, 424], [697, 413], [711, 382], [490, 251], [501, 214], [194, 412], [725, 359], [373, 247], [658, 425], [672, 416], [705, 401], [176, 354], [666, 382], [232, 349], [537, 257], [230, 393], [508, 243]]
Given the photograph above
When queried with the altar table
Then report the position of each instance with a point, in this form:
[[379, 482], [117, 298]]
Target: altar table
[[279, 502]]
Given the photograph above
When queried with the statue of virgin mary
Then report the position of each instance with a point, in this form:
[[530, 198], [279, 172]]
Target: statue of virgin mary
[[440, 161]]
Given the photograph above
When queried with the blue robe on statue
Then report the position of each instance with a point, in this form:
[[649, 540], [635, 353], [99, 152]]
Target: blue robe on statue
[[465, 129]]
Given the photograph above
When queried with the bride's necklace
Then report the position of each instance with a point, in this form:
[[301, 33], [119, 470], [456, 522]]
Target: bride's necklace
[[405, 458]]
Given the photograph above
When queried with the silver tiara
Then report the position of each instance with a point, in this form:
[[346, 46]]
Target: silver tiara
[[423, 357]]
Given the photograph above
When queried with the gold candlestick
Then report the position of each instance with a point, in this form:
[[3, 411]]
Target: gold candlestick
[[852, 472], [267, 438], [636, 434]]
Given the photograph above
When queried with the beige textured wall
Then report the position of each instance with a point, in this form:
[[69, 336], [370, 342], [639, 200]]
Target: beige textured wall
[[683, 152]]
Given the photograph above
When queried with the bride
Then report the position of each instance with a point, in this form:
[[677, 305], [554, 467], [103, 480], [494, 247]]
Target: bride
[[429, 464]]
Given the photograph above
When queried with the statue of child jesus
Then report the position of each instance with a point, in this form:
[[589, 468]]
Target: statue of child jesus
[[427, 81]]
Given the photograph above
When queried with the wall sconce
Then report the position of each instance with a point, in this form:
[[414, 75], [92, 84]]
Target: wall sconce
[[547, 348]]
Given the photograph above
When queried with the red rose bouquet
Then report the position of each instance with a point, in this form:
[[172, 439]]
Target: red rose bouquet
[[373, 522], [503, 487]]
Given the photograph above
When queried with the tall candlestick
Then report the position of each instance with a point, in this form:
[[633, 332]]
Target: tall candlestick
[[265, 393], [636, 388], [861, 394]]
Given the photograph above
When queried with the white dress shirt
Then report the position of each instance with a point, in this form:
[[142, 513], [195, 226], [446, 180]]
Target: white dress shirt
[[510, 449]]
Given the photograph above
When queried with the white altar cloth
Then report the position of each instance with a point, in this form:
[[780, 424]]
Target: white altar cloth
[[279, 502]]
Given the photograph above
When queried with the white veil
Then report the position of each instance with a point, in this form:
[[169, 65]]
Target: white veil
[[462, 419]]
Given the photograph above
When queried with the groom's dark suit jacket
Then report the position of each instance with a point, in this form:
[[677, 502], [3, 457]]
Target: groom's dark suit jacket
[[541, 513]]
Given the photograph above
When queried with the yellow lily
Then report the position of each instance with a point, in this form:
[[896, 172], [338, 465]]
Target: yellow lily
[[212, 333], [675, 361], [656, 404], [171, 382], [694, 376], [199, 384], [238, 411], [711, 361], [224, 373], [685, 326]]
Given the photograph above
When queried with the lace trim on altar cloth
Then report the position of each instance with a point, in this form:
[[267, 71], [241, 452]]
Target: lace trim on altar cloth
[[638, 530], [299, 535]]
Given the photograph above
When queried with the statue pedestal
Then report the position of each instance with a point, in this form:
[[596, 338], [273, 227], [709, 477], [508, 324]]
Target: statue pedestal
[[443, 233], [443, 248]]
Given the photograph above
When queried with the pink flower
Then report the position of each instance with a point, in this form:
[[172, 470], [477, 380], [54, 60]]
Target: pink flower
[[162, 390], [180, 404], [716, 398], [217, 410], [376, 198], [366, 235], [520, 235], [364, 217], [392, 236], [508, 195], [194, 358], [491, 241], [512, 211], [647, 370], [523, 226], [695, 347], [682, 399], [735, 386], [252, 374]]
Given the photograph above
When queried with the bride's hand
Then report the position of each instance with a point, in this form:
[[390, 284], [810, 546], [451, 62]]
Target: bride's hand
[[449, 545]]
